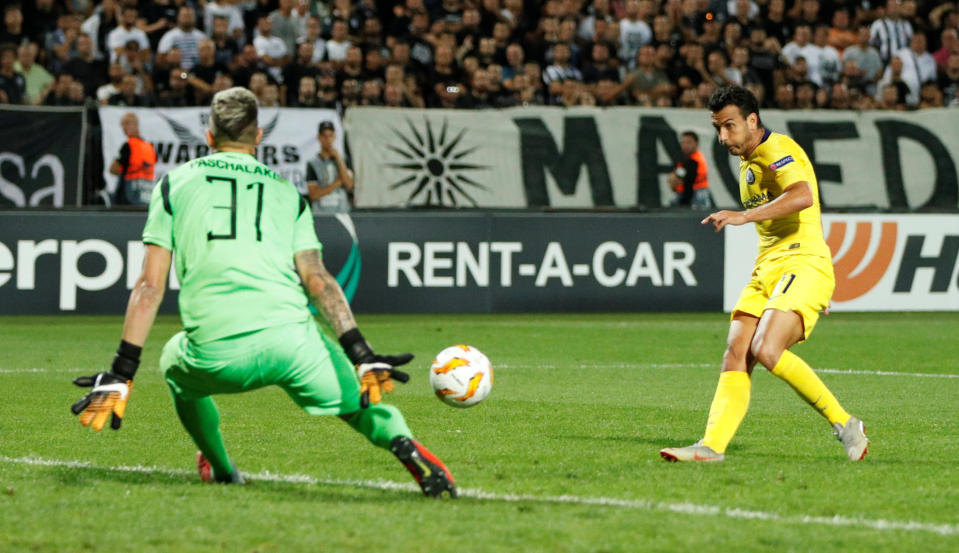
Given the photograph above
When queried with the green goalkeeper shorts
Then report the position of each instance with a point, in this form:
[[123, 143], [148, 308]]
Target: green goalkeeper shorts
[[299, 358]]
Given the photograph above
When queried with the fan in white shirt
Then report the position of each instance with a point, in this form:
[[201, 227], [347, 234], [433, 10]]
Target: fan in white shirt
[[184, 36], [800, 47], [339, 43], [828, 63], [225, 9], [270, 49], [127, 31], [918, 67], [634, 32]]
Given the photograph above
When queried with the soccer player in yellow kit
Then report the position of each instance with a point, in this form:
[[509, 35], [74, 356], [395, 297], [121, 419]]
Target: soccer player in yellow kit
[[791, 282]]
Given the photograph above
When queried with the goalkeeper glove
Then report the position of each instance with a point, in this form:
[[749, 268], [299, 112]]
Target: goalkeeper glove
[[374, 371], [111, 390]]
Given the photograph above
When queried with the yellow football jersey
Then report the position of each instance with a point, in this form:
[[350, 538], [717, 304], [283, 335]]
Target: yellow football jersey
[[774, 165]]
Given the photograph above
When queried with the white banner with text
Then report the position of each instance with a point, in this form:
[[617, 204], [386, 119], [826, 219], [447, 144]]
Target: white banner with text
[[620, 157], [178, 135]]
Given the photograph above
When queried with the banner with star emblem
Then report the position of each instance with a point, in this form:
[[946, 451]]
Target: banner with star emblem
[[587, 157]]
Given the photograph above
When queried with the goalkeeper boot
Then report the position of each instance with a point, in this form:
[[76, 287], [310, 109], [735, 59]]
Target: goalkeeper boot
[[430, 473], [691, 453], [853, 438], [206, 472]]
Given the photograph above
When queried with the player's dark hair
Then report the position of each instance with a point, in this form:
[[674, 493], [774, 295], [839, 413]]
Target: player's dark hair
[[737, 96], [233, 115], [692, 135]]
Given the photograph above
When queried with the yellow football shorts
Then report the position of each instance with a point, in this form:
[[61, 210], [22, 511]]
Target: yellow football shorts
[[799, 282]]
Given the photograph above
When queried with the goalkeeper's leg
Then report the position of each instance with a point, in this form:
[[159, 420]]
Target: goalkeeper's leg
[[201, 419], [195, 408], [384, 426]]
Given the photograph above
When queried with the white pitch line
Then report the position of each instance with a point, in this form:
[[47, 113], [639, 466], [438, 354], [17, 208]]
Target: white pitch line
[[885, 373], [716, 366], [684, 508], [582, 366], [47, 370]]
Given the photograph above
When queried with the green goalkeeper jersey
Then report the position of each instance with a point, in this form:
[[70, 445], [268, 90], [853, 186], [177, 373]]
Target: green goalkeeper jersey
[[234, 226]]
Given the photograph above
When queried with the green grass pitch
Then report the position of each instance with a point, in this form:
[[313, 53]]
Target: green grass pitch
[[562, 457]]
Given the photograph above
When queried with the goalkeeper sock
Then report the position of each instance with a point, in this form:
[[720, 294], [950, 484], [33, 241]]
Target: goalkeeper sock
[[801, 377], [727, 410], [380, 423], [201, 419]]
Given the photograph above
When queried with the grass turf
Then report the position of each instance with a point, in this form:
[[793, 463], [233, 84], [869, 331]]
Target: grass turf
[[563, 456]]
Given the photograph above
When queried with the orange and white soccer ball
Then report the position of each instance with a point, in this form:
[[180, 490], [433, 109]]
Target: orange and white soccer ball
[[461, 376]]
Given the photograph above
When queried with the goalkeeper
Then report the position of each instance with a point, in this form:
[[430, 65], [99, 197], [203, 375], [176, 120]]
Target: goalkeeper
[[238, 231]]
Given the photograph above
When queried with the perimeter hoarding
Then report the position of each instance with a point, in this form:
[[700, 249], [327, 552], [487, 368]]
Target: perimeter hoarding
[[409, 262], [73, 262], [881, 262]]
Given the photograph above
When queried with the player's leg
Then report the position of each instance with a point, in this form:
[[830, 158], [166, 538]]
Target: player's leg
[[201, 419], [800, 292], [778, 331], [731, 400], [324, 382], [198, 415], [385, 426], [791, 314]]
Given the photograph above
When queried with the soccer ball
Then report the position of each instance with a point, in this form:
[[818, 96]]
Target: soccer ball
[[461, 376]]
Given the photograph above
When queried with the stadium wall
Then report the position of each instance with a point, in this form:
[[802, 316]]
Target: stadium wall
[[419, 262]]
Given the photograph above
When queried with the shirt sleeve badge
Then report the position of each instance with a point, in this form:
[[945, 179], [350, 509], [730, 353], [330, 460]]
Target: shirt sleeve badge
[[784, 161]]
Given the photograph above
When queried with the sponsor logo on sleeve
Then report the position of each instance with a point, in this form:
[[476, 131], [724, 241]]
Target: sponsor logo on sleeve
[[784, 161]]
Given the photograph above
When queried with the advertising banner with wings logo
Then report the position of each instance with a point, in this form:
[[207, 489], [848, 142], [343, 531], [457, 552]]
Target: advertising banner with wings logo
[[177, 135]]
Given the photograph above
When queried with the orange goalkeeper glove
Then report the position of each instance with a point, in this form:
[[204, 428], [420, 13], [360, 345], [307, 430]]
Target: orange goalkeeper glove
[[374, 371], [111, 390]]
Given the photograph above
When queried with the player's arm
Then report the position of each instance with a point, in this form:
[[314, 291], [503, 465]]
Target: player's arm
[[323, 291], [374, 371], [147, 295], [796, 197], [111, 390]]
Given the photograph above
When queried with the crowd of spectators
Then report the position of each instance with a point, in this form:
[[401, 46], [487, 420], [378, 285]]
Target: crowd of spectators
[[794, 54]]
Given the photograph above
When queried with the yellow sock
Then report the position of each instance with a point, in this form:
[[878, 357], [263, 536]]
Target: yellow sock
[[797, 374], [727, 410]]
